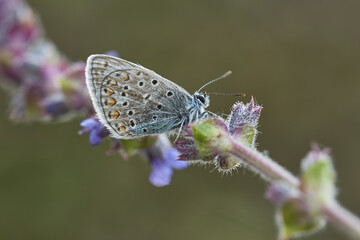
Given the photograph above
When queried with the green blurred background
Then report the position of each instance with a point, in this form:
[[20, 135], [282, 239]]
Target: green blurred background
[[300, 59]]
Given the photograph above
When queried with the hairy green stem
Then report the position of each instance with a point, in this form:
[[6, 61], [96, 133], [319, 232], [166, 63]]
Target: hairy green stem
[[337, 215], [263, 165]]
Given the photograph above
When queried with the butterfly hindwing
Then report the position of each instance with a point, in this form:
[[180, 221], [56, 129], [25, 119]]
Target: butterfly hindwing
[[132, 101]]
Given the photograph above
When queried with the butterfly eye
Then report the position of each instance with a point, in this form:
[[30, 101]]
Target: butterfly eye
[[201, 99]]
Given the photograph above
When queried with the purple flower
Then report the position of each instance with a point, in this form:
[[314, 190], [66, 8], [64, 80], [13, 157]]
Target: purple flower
[[163, 161], [56, 108], [44, 84], [278, 193], [96, 129], [243, 115]]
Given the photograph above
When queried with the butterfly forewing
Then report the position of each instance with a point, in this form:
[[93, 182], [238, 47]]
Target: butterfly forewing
[[132, 101]]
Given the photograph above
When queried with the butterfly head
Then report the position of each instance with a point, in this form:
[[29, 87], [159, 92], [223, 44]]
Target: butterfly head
[[201, 99]]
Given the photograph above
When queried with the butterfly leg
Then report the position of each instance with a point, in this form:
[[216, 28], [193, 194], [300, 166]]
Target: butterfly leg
[[181, 127]]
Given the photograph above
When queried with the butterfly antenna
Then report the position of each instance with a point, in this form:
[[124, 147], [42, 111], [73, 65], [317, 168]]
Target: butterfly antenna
[[223, 76], [228, 94]]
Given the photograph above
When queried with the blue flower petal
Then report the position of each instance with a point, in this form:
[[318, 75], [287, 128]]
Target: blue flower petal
[[90, 123], [170, 158], [95, 128], [161, 173], [94, 137]]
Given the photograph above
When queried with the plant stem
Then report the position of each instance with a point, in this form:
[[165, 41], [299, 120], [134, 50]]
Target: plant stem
[[342, 219], [265, 166], [337, 215]]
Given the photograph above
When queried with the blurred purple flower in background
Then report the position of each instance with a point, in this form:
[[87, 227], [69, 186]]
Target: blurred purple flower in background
[[43, 84], [279, 192]]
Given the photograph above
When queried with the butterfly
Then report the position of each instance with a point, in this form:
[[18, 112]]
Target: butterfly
[[133, 101]]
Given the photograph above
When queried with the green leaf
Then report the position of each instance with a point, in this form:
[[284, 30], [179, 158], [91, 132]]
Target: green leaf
[[295, 219], [131, 146], [210, 138], [247, 135], [318, 178]]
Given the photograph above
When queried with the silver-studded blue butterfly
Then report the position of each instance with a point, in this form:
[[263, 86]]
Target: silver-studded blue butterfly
[[133, 101]]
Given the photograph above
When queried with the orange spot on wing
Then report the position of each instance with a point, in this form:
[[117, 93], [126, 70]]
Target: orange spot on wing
[[114, 114], [112, 82], [111, 102], [122, 129], [108, 91]]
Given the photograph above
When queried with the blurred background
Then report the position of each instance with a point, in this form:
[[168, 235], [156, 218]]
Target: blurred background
[[299, 59]]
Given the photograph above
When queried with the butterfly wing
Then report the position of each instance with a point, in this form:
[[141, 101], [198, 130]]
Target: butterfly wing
[[133, 101]]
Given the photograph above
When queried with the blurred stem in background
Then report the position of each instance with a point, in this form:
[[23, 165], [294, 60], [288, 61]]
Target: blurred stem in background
[[44, 86]]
